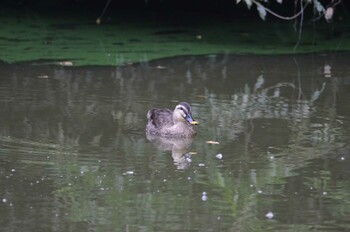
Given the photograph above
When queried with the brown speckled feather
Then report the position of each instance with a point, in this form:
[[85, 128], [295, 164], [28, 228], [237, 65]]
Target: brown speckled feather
[[160, 118]]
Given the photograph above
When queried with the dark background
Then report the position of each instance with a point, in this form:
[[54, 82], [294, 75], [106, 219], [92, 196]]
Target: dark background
[[173, 8]]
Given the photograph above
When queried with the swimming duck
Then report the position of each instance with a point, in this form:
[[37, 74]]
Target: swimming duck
[[167, 123]]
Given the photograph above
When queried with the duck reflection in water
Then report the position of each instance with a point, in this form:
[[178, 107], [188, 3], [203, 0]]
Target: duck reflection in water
[[179, 148], [172, 130]]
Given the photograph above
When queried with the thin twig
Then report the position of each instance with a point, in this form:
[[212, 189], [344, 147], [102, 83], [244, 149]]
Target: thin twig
[[280, 16]]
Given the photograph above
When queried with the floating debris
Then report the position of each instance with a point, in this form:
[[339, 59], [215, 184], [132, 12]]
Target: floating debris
[[212, 142], [66, 63], [219, 156], [160, 67], [188, 159], [204, 196], [269, 215], [128, 173], [43, 76]]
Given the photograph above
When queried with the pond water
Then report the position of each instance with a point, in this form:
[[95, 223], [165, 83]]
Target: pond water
[[74, 155]]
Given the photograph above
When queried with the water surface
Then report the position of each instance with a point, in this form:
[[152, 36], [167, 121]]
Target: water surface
[[74, 155]]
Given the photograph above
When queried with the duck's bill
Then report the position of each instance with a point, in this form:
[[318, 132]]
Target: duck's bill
[[191, 120]]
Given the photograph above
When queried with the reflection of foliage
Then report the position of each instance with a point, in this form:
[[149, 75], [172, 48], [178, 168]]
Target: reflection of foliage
[[278, 133]]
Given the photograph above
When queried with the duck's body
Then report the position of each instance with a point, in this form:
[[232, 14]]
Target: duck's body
[[167, 123]]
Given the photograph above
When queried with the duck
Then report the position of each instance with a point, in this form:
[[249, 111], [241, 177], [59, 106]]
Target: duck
[[177, 123]]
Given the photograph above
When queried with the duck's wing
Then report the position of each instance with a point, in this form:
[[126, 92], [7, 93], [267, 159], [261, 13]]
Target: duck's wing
[[160, 118]]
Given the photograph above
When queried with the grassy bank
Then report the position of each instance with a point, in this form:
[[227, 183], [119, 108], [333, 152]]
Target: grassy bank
[[29, 35]]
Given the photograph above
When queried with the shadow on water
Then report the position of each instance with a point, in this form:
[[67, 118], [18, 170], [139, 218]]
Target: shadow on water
[[272, 150]]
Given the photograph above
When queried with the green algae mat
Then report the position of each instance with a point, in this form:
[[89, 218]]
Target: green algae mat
[[70, 38]]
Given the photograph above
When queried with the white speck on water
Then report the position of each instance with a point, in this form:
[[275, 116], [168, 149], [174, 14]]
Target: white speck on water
[[4, 200], [260, 191], [128, 173], [102, 189], [11, 204], [47, 157], [251, 186], [269, 215], [164, 180], [82, 172], [201, 165], [189, 178], [324, 193], [219, 156], [69, 184], [188, 159], [218, 218], [272, 157], [204, 196], [342, 158], [31, 184], [37, 182], [13, 170]]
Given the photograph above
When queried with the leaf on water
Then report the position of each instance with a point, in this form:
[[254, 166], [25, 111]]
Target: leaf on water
[[66, 63], [262, 11], [160, 67], [43, 76], [212, 142]]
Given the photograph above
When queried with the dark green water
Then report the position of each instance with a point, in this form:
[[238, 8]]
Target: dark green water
[[74, 155]]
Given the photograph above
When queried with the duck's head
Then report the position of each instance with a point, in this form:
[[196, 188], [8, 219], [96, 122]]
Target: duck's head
[[183, 113]]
